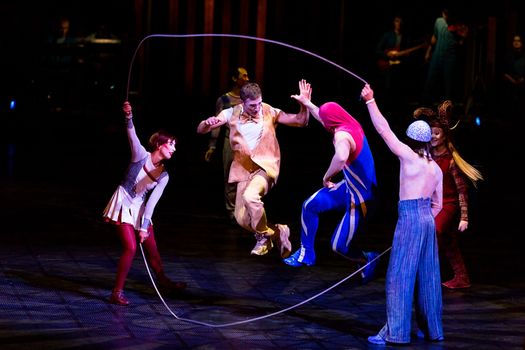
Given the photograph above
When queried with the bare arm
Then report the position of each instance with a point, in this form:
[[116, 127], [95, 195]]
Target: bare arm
[[301, 118], [211, 123], [314, 110], [344, 144], [381, 125]]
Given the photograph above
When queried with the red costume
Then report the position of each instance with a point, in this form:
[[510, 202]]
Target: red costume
[[455, 208]]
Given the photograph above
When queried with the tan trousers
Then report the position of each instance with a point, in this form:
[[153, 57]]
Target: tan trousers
[[249, 207]]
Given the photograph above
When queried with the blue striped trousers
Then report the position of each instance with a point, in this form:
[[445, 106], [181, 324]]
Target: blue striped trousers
[[413, 275]]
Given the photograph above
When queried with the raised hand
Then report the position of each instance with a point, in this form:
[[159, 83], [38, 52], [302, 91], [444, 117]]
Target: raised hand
[[126, 108], [305, 92], [367, 93], [305, 89], [327, 183]]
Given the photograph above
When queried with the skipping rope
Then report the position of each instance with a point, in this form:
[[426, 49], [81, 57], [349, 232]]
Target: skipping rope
[[141, 247], [254, 318]]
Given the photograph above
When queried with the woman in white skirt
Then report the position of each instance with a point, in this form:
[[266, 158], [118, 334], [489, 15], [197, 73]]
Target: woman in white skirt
[[132, 204]]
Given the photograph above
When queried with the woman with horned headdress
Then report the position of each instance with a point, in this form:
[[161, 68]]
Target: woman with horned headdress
[[453, 218]]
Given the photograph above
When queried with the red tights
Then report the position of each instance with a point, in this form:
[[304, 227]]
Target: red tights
[[448, 238], [128, 238]]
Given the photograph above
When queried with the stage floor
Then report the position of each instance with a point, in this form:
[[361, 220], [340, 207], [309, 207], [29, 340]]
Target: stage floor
[[58, 262]]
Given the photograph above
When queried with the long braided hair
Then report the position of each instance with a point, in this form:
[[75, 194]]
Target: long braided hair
[[442, 120]]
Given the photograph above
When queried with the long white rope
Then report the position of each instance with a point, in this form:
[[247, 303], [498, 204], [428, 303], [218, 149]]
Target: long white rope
[[142, 249], [259, 317], [235, 36]]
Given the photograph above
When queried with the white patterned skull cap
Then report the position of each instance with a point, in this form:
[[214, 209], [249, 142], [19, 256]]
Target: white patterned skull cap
[[419, 131]]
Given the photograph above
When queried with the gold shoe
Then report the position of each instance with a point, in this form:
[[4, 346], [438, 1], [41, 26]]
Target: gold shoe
[[262, 246]]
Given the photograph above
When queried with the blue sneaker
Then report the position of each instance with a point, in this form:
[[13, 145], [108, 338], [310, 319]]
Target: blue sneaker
[[376, 339], [300, 258], [369, 271]]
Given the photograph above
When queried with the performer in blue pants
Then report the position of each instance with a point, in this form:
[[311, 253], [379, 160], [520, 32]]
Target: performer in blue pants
[[352, 195], [412, 278]]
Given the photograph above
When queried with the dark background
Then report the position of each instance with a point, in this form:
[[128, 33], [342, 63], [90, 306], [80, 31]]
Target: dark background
[[66, 127]]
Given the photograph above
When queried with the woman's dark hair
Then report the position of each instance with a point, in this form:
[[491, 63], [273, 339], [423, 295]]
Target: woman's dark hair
[[159, 138]]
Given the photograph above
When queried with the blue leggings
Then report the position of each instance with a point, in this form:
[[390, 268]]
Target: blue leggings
[[339, 198]]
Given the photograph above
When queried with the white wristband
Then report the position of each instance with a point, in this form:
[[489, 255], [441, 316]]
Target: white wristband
[[370, 101]]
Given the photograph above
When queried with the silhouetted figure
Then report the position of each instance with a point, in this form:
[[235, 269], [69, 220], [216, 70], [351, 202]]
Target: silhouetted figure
[[512, 99], [396, 55], [232, 98], [445, 56], [63, 57]]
